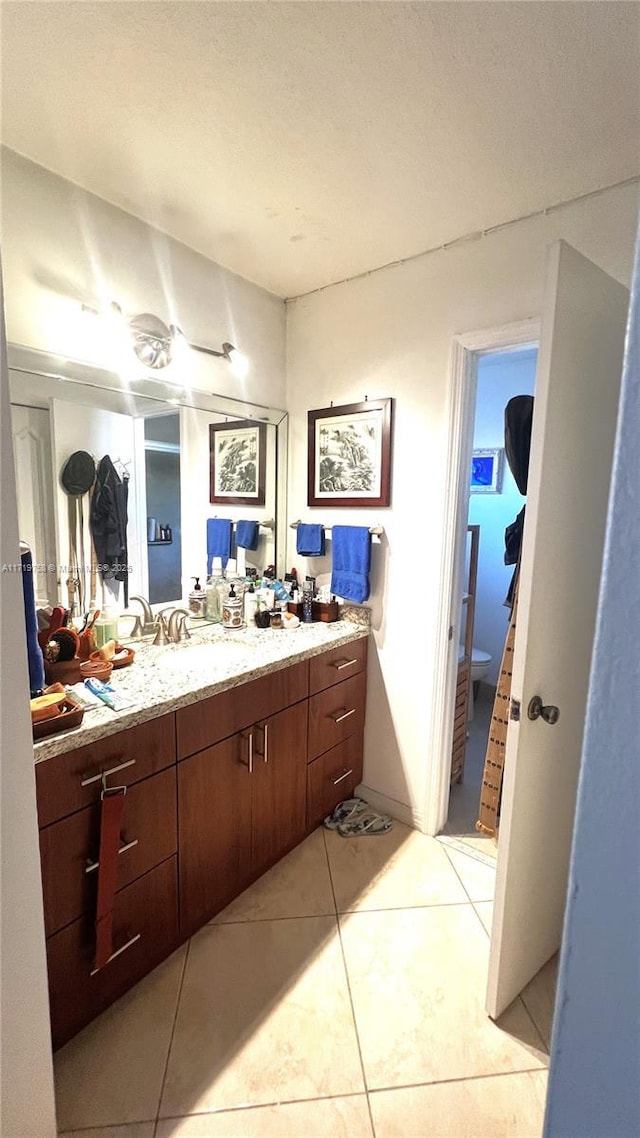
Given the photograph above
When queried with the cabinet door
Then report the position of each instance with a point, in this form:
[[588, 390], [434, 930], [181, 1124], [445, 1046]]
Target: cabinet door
[[214, 825], [279, 784]]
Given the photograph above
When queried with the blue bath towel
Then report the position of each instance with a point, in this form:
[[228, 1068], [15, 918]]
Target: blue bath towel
[[219, 535], [351, 562], [34, 651], [310, 540], [247, 534]]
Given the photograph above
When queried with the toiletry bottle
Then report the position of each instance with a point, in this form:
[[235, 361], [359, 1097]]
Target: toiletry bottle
[[232, 610], [250, 605], [197, 598], [106, 626], [307, 601], [214, 596]]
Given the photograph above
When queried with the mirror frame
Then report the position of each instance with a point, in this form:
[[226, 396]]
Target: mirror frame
[[35, 362]]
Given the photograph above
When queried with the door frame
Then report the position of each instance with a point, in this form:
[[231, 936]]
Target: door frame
[[466, 349]]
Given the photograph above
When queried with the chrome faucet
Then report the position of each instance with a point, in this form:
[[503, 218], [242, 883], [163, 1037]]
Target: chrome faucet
[[177, 628], [149, 623]]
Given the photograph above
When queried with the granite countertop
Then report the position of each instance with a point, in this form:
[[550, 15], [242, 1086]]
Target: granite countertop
[[161, 680]]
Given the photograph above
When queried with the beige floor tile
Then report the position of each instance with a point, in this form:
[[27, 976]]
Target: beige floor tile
[[418, 979], [539, 998], [264, 1016], [298, 886], [112, 1071], [478, 879], [132, 1130], [391, 871], [483, 844], [507, 1106], [322, 1118], [484, 909]]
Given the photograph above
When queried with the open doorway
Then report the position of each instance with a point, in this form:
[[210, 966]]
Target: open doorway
[[494, 501]]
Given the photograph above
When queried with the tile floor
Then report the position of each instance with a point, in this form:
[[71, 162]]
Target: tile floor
[[465, 796], [341, 996]]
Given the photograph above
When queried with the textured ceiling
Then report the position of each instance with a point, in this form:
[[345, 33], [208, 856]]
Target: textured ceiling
[[300, 143]]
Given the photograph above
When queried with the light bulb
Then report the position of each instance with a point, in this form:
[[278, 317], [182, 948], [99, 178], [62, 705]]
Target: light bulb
[[239, 363]]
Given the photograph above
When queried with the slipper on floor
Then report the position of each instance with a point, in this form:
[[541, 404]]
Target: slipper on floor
[[366, 825], [344, 812]]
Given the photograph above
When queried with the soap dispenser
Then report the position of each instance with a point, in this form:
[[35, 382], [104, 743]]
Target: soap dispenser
[[232, 610], [197, 598]]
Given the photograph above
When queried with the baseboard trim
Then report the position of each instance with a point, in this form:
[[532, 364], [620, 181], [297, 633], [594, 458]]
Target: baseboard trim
[[399, 810]]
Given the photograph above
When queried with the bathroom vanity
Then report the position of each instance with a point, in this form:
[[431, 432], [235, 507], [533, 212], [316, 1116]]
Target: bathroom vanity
[[236, 750]]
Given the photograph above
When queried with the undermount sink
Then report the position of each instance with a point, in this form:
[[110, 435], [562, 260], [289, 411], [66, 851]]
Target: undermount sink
[[213, 654]]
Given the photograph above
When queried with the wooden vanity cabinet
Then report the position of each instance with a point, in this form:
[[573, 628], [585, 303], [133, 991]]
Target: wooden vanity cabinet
[[216, 794], [69, 787], [242, 801]]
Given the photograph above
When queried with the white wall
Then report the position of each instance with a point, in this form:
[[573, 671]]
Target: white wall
[[595, 1055], [26, 1077], [63, 247], [500, 376], [390, 334]]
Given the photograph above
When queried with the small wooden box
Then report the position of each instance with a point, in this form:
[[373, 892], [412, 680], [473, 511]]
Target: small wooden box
[[327, 611]]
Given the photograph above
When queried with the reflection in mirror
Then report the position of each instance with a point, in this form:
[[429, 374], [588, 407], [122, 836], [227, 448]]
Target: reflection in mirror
[[159, 436]]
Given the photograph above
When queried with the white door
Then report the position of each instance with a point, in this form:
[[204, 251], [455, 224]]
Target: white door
[[31, 431], [575, 411]]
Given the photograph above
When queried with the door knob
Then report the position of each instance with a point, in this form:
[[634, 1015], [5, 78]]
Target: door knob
[[548, 712]]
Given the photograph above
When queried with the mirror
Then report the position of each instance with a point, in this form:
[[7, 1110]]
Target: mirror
[[158, 438]]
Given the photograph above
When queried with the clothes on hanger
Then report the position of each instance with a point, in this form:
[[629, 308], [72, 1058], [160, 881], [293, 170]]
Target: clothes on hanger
[[108, 523]]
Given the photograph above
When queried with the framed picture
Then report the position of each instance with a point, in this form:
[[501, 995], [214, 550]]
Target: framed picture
[[349, 459], [486, 471], [237, 462]]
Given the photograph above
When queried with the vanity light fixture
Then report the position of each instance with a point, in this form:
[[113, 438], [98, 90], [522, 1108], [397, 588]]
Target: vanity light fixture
[[156, 345]]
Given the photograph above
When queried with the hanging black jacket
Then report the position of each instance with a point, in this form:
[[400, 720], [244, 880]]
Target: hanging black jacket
[[108, 523], [518, 417]]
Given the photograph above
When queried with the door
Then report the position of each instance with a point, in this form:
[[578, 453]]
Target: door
[[214, 824], [576, 401], [31, 431], [279, 784]]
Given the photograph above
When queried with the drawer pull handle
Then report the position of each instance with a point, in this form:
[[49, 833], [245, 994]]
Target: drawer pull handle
[[345, 715], [342, 777], [105, 774], [123, 849], [265, 728], [344, 664], [118, 952]]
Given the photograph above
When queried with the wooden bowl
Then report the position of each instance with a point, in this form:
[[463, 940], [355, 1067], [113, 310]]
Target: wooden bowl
[[95, 670]]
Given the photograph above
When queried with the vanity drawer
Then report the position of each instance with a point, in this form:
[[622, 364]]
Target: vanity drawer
[[333, 777], [211, 720], [335, 714], [67, 848], [146, 910], [126, 757], [336, 665]]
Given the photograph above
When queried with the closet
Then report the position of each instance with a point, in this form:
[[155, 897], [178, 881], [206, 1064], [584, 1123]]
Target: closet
[[463, 684]]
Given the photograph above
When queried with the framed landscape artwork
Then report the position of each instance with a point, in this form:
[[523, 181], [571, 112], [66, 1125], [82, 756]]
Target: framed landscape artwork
[[237, 462], [486, 471], [349, 454]]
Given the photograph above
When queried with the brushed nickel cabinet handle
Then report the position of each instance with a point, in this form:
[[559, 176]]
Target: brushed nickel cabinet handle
[[344, 664], [345, 715], [105, 774], [118, 952], [265, 728], [342, 777], [123, 849]]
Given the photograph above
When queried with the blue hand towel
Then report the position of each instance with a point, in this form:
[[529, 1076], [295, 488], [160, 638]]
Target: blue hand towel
[[34, 651], [219, 534], [351, 562], [247, 534], [310, 540]]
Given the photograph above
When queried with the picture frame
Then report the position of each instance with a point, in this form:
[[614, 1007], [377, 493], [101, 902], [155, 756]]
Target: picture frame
[[349, 454], [237, 462], [486, 470]]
